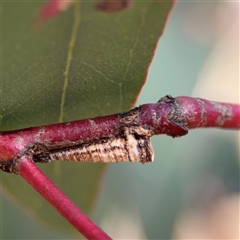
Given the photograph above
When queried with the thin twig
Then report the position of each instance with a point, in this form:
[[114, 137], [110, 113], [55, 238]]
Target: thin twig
[[35, 177], [78, 140]]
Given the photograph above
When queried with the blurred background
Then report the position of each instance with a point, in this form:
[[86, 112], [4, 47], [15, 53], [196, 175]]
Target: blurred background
[[191, 191]]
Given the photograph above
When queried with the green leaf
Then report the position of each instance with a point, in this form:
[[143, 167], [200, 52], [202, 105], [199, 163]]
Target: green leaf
[[85, 62]]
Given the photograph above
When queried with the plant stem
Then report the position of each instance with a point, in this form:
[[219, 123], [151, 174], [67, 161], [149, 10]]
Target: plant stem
[[35, 177], [129, 131], [170, 116]]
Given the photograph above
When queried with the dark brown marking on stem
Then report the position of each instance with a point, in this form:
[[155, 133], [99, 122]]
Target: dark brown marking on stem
[[37, 148], [126, 147], [7, 166], [176, 114], [166, 99], [130, 118], [110, 6]]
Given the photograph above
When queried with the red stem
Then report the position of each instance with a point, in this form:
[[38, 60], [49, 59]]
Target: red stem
[[35, 177], [171, 116], [201, 113]]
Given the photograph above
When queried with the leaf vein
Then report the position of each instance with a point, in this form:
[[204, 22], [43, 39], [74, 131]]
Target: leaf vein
[[99, 72], [69, 57]]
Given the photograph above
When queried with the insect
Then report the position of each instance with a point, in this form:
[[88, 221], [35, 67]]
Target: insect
[[129, 144]]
